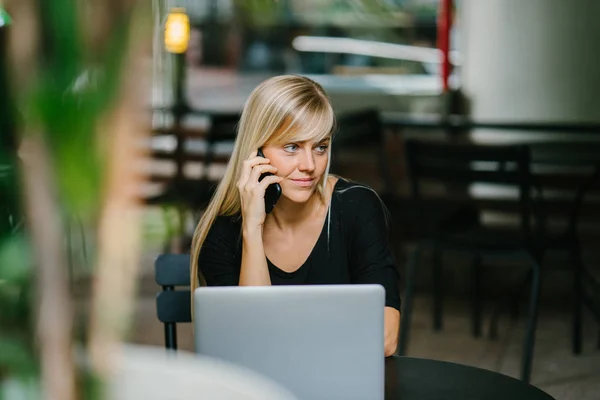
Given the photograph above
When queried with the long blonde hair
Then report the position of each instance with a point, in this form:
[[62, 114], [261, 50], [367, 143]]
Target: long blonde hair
[[280, 110]]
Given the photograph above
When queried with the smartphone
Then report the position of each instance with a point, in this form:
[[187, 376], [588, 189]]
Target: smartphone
[[273, 192]]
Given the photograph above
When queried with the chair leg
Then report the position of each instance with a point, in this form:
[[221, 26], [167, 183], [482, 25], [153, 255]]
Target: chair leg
[[527, 360], [171, 336], [511, 303], [437, 289], [476, 298], [514, 302], [577, 300], [406, 316], [493, 332]]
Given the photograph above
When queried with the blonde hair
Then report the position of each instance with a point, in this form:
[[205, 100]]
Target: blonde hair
[[280, 110]]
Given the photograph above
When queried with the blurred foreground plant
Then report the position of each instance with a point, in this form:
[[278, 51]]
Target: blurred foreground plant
[[75, 81]]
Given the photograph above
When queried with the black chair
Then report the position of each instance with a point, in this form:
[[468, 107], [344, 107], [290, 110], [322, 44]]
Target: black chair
[[360, 130], [586, 284], [363, 133], [456, 166], [193, 194], [568, 174], [172, 273]]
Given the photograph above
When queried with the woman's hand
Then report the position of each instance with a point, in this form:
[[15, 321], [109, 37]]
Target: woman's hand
[[252, 192]]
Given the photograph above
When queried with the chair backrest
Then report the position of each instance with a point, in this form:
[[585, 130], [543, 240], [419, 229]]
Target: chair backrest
[[462, 165], [223, 129], [568, 176], [182, 145], [172, 271], [357, 128], [199, 155], [362, 130]]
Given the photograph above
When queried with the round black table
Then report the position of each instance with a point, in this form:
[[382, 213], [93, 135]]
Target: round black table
[[408, 378]]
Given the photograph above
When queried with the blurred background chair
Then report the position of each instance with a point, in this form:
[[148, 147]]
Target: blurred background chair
[[586, 284], [196, 155], [358, 145], [568, 176], [454, 168], [360, 152]]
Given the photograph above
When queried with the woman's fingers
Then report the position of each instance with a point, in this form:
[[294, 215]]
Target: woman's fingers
[[258, 170], [252, 192], [247, 167], [269, 180]]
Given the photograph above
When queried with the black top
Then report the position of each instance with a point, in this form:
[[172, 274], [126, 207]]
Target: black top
[[352, 248], [410, 378]]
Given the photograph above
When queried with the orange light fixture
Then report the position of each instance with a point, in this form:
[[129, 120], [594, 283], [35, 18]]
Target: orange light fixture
[[177, 31]]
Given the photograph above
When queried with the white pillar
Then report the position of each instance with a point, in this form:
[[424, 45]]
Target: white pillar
[[531, 60]]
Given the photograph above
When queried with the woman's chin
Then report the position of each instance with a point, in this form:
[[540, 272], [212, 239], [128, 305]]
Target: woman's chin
[[298, 196]]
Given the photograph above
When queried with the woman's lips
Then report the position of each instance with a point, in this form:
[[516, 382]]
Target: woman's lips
[[304, 182]]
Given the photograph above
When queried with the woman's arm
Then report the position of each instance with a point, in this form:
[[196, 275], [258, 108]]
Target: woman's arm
[[372, 258], [391, 321], [220, 261], [254, 270]]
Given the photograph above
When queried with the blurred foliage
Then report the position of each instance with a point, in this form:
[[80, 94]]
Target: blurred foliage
[[268, 13], [5, 18], [16, 319], [73, 88], [16, 351], [72, 93], [259, 13]]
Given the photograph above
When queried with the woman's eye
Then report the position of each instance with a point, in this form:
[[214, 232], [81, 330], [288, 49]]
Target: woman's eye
[[322, 148], [290, 148]]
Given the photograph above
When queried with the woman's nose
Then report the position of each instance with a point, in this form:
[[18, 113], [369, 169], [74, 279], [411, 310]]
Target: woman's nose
[[307, 163]]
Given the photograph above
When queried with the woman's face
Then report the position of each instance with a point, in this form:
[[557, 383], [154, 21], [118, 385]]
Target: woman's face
[[301, 164]]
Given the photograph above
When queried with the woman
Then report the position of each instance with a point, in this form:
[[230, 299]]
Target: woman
[[323, 229]]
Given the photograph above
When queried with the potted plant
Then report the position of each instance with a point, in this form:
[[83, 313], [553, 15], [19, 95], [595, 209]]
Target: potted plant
[[72, 123], [70, 104]]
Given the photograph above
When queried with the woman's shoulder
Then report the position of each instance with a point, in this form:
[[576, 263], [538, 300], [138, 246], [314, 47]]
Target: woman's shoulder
[[352, 193], [358, 203]]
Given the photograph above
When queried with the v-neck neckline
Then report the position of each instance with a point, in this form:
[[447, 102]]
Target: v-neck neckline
[[317, 243]]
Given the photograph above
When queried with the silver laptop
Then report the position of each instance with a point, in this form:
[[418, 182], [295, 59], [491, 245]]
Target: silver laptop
[[320, 342]]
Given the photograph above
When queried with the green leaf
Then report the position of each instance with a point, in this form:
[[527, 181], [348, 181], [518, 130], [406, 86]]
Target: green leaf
[[16, 357], [15, 264], [69, 112], [5, 19]]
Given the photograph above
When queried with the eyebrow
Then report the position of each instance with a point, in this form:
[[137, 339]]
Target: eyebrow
[[326, 140]]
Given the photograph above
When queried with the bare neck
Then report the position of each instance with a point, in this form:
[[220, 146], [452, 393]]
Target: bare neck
[[288, 214]]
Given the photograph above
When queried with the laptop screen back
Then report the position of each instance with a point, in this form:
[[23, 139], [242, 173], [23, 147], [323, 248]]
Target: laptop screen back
[[320, 342]]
